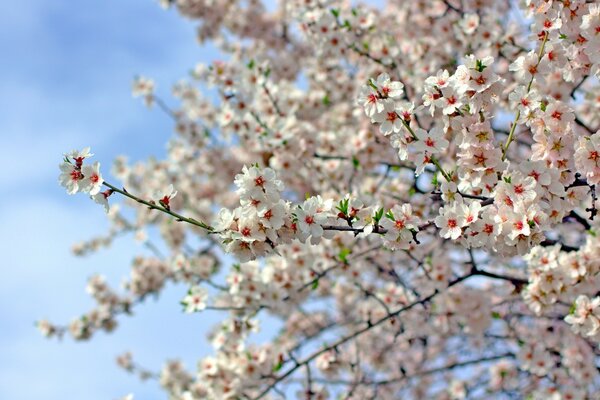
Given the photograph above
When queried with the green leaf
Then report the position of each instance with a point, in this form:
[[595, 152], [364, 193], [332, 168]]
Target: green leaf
[[315, 285], [355, 162], [572, 308], [343, 206], [335, 12], [277, 367], [496, 315], [251, 64], [343, 255], [479, 66], [378, 215], [326, 100]]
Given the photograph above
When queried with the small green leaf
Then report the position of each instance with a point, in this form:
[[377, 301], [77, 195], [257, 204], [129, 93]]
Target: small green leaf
[[326, 100], [390, 215], [343, 206], [277, 367], [315, 285], [479, 66], [572, 308], [335, 12], [251, 64], [496, 315], [372, 84], [355, 162], [343, 255], [378, 215]]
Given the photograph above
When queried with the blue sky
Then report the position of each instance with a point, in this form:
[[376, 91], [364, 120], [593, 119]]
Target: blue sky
[[65, 83]]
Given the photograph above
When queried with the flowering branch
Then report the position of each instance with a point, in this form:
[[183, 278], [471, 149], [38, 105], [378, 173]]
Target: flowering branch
[[162, 208]]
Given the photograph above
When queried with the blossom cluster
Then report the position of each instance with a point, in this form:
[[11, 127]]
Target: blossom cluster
[[416, 209]]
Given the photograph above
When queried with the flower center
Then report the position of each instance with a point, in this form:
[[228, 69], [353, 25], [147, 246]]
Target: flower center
[[260, 181]]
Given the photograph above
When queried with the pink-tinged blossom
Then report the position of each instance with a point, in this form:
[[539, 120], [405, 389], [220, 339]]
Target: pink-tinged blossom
[[70, 177], [587, 157], [451, 220], [195, 300], [102, 199], [312, 215], [92, 179], [388, 88], [585, 318], [401, 226], [371, 102], [164, 196], [432, 142]]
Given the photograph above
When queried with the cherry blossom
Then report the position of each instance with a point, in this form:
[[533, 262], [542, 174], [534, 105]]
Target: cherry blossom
[[402, 198], [195, 300]]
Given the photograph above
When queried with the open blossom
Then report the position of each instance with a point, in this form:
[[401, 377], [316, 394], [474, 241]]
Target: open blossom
[[389, 88], [164, 196], [273, 216], [70, 177], [585, 319], [92, 179], [451, 220], [257, 183], [401, 225], [195, 300], [143, 87], [389, 120], [79, 155], [524, 101], [526, 67], [587, 157], [312, 215], [370, 100], [102, 199], [450, 101], [76, 177], [377, 97], [432, 142]]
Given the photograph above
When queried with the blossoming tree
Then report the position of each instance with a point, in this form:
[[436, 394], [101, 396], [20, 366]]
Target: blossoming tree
[[409, 189]]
